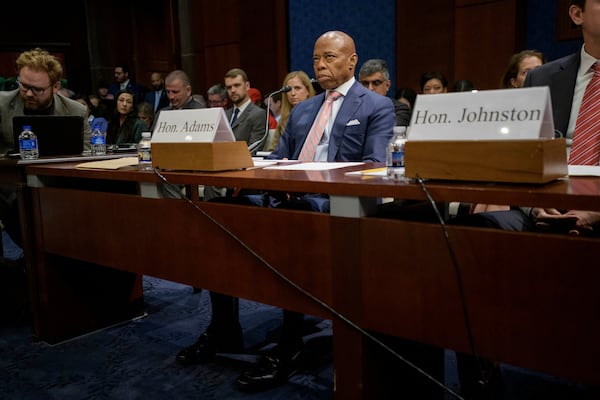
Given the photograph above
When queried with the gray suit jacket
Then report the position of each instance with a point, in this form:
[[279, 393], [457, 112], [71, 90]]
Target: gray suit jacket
[[11, 105], [250, 125]]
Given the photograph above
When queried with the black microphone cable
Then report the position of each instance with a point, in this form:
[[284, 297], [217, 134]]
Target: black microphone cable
[[484, 380], [312, 296]]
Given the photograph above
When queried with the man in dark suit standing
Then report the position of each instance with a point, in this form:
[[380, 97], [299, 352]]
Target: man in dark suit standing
[[157, 97], [359, 127]]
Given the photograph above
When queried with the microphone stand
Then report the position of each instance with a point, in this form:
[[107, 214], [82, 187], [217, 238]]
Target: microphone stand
[[260, 143]]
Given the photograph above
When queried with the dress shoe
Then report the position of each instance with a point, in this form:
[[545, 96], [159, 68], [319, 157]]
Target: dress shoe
[[270, 371], [206, 347]]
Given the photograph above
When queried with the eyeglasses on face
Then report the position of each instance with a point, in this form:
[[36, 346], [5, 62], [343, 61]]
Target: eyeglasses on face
[[376, 82], [37, 91]]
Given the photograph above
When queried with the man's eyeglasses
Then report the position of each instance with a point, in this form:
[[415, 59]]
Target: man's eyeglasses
[[376, 82], [37, 91]]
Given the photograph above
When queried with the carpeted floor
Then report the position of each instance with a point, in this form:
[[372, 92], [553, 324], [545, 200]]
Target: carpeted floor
[[135, 360]]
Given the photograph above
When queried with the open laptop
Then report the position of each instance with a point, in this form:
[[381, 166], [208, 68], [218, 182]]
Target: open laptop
[[57, 135]]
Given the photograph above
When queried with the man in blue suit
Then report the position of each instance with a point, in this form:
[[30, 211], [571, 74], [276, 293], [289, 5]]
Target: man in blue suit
[[358, 129]]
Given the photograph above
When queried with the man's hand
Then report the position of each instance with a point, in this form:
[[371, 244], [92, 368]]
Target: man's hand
[[573, 222]]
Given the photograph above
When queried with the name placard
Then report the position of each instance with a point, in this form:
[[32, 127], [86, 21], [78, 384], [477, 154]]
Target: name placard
[[203, 125], [504, 114]]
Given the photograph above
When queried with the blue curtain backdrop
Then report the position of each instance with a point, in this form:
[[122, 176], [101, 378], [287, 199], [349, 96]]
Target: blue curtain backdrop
[[541, 30], [372, 24]]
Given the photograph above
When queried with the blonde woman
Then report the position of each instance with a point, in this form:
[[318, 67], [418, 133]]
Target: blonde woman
[[301, 89]]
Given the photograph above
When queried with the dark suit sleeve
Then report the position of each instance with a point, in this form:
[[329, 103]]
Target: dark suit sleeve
[[379, 130], [402, 113]]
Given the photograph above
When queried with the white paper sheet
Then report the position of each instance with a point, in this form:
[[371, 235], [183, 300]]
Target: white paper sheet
[[315, 166]]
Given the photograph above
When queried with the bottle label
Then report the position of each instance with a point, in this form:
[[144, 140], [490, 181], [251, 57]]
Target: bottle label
[[397, 158], [144, 155], [28, 144], [99, 139]]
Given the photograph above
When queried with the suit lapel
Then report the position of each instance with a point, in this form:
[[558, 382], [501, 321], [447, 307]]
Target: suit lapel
[[563, 83], [352, 101]]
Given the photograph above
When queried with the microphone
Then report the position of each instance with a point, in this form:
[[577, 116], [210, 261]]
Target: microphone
[[260, 143]]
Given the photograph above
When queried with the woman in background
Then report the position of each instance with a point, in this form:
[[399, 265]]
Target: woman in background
[[125, 126], [301, 89], [518, 66], [145, 112], [433, 83]]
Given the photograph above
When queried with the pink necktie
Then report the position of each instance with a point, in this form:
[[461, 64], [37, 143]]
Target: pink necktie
[[316, 131], [585, 148]]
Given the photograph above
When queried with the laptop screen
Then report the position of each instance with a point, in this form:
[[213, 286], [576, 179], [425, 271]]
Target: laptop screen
[[57, 135]]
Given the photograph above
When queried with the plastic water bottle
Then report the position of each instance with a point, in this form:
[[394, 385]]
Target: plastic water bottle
[[97, 141], [395, 154], [144, 152], [28, 144]]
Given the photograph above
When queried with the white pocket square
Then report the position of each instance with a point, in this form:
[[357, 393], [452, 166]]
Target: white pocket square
[[353, 122]]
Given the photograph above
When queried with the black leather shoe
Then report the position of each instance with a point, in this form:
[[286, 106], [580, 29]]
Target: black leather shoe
[[206, 347], [270, 371]]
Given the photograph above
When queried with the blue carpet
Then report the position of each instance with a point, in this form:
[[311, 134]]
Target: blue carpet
[[136, 359]]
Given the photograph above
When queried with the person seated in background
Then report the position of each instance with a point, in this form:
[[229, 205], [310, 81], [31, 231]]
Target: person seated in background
[[375, 75], [217, 96], [93, 120], [518, 66], [247, 120], [125, 127], [257, 98], [463, 85], [122, 81], [98, 108], [145, 112], [274, 106], [433, 83], [301, 89], [199, 99], [107, 100], [407, 96], [157, 96], [179, 92]]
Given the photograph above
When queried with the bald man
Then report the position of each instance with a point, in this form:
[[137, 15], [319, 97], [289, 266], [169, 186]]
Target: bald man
[[359, 128]]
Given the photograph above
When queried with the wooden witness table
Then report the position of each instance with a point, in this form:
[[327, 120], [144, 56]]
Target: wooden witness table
[[532, 299]]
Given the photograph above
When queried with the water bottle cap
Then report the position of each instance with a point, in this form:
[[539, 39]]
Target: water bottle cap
[[26, 127]]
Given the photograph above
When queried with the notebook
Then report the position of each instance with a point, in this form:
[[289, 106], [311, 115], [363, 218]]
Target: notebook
[[58, 135]]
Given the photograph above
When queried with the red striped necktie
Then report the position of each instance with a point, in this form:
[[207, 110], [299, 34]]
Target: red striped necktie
[[585, 148]]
